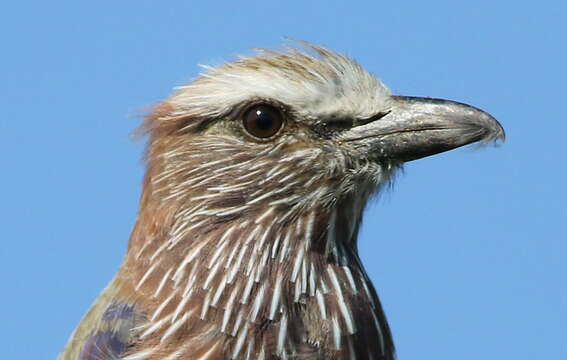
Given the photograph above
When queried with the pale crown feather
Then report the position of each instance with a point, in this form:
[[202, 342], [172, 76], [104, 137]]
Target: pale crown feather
[[317, 84]]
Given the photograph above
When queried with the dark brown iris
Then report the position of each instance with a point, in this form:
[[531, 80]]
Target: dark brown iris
[[263, 121]]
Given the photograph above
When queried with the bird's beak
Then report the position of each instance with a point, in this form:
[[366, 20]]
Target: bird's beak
[[415, 127]]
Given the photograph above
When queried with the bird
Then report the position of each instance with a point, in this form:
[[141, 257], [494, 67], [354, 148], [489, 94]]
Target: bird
[[245, 244]]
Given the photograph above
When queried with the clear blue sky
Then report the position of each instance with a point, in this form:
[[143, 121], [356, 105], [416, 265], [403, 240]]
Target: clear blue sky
[[468, 250]]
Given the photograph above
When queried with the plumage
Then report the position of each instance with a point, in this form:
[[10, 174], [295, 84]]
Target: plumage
[[258, 172]]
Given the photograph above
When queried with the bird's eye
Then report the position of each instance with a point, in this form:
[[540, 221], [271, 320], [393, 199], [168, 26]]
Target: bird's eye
[[263, 121]]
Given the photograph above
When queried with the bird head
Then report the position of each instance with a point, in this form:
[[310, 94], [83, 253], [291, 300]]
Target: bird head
[[258, 174], [289, 131]]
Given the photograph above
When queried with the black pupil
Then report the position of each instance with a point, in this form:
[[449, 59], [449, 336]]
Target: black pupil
[[264, 119]]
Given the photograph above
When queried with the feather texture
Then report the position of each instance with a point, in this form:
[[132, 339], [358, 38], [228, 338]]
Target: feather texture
[[246, 249]]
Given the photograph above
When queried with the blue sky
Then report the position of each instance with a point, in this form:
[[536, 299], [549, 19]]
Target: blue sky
[[467, 251]]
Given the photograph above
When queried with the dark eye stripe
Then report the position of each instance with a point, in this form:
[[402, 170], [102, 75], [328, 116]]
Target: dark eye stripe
[[343, 124], [378, 116], [340, 123]]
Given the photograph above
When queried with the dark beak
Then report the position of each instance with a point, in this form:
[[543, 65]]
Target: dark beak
[[415, 127]]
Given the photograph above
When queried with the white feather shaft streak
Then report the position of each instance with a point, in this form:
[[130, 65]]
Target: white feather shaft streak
[[240, 341], [336, 333], [250, 348], [157, 325], [191, 255], [141, 355], [275, 245], [221, 245], [260, 267], [175, 326], [264, 215], [191, 279], [350, 279], [219, 292], [162, 283], [205, 308], [253, 233], [237, 323], [345, 312], [300, 154], [162, 306], [229, 308], [321, 303], [257, 303], [309, 226], [180, 306], [146, 275], [275, 297], [282, 334], [247, 289], [211, 276], [236, 266], [235, 248], [312, 281], [297, 263], [211, 351], [284, 248]]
